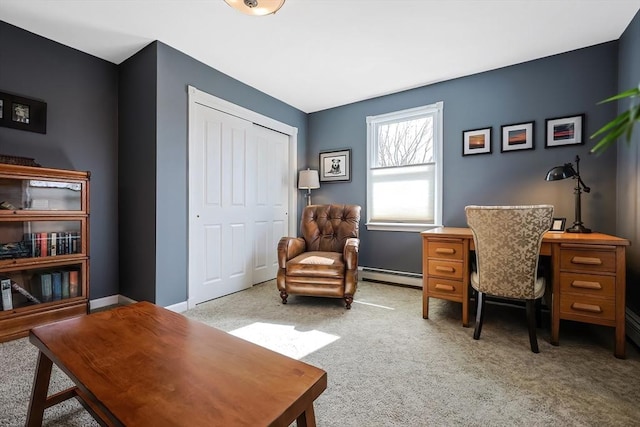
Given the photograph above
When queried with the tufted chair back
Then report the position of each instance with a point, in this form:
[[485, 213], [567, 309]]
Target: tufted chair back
[[327, 227]]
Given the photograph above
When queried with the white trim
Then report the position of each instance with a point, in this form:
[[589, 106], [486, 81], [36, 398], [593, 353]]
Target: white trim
[[103, 302], [390, 276], [180, 307], [196, 96], [397, 226], [122, 300]]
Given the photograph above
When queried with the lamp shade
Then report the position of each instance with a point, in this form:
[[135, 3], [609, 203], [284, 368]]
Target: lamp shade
[[256, 7], [308, 180], [561, 172]]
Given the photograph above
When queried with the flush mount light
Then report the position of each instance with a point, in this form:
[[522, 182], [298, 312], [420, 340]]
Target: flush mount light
[[256, 7]]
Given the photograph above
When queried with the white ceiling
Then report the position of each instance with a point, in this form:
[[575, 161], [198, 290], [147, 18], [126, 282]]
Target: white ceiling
[[318, 54]]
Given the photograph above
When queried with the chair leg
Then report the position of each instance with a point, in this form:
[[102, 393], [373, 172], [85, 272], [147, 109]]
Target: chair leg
[[479, 315], [284, 295], [348, 300], [531, 317]]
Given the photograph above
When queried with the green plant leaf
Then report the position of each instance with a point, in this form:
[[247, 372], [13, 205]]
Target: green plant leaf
[[626, 94]]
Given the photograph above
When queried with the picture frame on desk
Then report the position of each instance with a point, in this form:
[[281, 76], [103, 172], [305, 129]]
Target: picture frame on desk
[[476, 141], [557, 225], [517, 137], [562, 131]]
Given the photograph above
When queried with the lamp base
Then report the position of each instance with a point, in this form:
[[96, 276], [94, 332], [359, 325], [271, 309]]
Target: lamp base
[[578, 228]]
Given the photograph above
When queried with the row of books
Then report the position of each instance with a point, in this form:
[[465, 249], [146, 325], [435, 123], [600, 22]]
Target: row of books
[[52, 244], [56, 285]]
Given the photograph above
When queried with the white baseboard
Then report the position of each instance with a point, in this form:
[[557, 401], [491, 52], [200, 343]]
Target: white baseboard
[[180, 307], [633, 326], [103, 302], [122, 300], [392, 277]]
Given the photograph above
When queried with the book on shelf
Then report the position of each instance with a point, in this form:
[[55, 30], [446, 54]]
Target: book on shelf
[[42, 239], [53, 244], [56, 285], [24, 292], [7, 299], [74, 283], [46, 287], [65, 284]]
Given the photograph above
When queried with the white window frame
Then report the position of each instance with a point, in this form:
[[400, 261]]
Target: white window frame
[[436, 110]]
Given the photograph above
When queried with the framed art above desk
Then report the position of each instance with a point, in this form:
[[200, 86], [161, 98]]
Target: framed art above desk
[[588, 276]]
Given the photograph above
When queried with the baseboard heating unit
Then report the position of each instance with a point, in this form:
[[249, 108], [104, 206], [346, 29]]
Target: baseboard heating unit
[[392, 277]]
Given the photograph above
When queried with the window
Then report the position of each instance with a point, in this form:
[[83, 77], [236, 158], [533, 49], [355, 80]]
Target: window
[[404, 169]]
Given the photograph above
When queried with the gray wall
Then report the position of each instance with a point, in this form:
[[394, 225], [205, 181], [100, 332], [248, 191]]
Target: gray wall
[[628, 157], [174, 72], [561, 85], [81, 93]]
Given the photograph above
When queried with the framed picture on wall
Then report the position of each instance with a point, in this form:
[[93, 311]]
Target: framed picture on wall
[[335, 166], [476, 141], [517, 137], [565, 131], [23, 113]]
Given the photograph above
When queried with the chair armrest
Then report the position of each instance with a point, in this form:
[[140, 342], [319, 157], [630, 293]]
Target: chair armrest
[[288, 248], [350, 253]]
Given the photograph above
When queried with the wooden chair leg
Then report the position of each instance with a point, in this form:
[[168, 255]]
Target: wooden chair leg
[[531, 320], [348, 300], [284, 295], [480, 298]]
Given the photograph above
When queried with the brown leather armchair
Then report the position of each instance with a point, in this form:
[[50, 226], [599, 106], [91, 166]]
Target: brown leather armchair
[[324, 261]]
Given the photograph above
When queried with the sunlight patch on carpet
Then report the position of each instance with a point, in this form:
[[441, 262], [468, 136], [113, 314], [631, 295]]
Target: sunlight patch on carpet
[[285, 339]]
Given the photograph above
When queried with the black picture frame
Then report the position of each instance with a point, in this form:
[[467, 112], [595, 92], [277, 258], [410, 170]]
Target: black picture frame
[[19, 112], [517, 137], [557, 225], [476, 141], [567, 130], [335, 166]]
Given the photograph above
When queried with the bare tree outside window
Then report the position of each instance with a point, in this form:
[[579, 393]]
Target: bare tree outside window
[[408, 142]]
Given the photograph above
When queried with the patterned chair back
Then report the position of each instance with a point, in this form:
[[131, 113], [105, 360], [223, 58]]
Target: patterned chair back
[[507, 241]]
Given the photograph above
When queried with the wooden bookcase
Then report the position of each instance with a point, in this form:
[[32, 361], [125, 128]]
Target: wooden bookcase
[[44, 246]]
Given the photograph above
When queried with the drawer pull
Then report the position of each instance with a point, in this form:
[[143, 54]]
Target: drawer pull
[[582, 284], [445, 269], [441, 287], [445, 251], [586, 260], [591, 308]]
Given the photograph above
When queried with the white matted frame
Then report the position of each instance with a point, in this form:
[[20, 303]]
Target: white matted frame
[[476, 141], [565, 131], [335, 166], [517, 137]]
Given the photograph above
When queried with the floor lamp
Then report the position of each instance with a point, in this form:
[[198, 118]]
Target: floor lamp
[[308, 180], [567, 171]]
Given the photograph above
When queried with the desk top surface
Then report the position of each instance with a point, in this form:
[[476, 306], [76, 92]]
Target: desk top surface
[[549, 237], [147, 365]]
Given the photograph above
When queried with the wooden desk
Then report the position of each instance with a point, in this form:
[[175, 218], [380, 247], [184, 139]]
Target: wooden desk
[[588, 276], [143, 365]]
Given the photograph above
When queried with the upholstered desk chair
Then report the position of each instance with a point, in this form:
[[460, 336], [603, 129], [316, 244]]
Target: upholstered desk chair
[[507, 244], [324, 260]]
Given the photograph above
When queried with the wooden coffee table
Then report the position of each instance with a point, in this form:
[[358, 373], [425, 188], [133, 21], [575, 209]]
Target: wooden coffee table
[[143, 365]]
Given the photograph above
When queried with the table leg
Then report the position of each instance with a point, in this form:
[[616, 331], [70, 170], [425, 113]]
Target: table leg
[[425, 304], [39, 392], [307, 418]]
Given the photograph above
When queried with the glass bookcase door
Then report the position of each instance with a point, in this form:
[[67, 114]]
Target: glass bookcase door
[[40, 195], [34, 239]]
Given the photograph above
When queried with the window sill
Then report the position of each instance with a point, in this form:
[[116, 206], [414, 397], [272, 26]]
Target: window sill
[[392, 226]]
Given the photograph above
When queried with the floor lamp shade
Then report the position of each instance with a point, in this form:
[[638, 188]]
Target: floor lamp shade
[[308, 180]]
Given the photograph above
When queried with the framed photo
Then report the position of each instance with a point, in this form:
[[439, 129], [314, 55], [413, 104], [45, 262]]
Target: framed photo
[[335, 166], [476, 141], [565, 131], [557, 225], [23, 113], [517, 137]]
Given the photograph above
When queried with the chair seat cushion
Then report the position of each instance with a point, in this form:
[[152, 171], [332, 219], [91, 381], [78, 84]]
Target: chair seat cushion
[[538, 290], [316, 264]]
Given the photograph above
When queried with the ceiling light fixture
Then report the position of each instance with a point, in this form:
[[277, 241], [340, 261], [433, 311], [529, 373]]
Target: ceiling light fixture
[[256, 7]]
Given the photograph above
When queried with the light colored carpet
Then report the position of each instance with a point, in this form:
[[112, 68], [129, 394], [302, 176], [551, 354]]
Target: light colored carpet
[[387, 366]]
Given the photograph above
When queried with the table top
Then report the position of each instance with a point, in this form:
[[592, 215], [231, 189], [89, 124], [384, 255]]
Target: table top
[[146, 365]]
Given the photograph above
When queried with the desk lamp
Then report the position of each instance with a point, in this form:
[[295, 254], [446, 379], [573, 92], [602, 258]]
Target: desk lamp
[[308, 180], [567, 171]]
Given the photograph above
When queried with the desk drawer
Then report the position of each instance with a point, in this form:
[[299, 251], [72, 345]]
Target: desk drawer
[[588, 284], [444, 287], [585, 308], [588, 260], [444, 250], [440, 268]]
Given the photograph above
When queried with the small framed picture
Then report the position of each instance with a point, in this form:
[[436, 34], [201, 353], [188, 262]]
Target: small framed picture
[[557, 225], [335, 166], [517, 137], [476, 141], [23, 113], [565, 131]]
